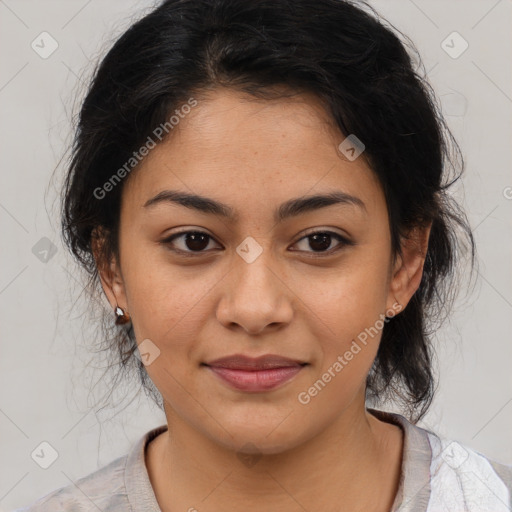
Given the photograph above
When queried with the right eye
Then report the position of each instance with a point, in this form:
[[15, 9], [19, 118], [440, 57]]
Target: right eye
[[192, 243]]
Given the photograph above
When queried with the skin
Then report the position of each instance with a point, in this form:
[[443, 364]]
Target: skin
[[293, 300]]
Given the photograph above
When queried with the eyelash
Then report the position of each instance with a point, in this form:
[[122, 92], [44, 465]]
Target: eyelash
[[343, 242]]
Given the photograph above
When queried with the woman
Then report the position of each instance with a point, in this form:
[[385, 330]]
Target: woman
[[260, 188]]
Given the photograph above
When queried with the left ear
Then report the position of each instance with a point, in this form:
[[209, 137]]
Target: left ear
[[408, 267]]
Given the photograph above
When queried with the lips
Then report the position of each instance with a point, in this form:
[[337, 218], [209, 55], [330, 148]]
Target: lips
[[265, 362], [255, 375]]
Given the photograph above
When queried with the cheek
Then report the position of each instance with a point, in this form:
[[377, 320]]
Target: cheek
[[350, 297], [347, 330], [169, 309], [348, 307], [166, 302]]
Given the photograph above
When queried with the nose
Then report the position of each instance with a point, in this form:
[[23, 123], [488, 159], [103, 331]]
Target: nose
[[256, 297]]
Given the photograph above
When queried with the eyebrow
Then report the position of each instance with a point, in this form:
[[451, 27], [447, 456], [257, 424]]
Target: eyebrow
[[288, 209]]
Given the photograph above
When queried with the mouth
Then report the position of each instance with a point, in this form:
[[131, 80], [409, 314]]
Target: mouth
[[255, 374]]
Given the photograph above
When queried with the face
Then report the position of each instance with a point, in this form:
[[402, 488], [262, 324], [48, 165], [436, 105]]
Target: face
[[307, 285]]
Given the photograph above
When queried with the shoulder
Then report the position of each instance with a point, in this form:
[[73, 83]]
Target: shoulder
[[104, 489], [465, 479], [440, 474], [120, 486]]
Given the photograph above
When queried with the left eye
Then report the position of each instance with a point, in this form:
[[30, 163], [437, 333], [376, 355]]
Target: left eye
[[196, 241], [321, 240]]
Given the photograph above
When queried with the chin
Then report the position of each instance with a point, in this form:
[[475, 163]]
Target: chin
[[262, 437]]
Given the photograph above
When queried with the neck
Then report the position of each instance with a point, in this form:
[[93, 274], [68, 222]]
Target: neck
[[352, 465]]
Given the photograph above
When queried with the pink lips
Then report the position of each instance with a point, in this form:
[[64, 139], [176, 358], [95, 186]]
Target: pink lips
[[255, 374]]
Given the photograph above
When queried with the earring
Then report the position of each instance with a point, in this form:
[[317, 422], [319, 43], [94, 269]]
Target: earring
[[121, 316]]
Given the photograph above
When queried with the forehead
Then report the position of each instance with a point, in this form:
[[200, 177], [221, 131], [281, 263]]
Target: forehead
[[235, 146]]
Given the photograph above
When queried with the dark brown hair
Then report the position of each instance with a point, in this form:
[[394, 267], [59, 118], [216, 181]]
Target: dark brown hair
[[349, 58]]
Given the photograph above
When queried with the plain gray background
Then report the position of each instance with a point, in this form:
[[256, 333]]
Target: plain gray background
[[44, 393]]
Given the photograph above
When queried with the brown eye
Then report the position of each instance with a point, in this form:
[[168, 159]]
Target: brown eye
[[320, 241], [194, 243], [190, 241]]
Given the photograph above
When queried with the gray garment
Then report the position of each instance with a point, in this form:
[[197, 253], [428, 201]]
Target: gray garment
[[438, 475]]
